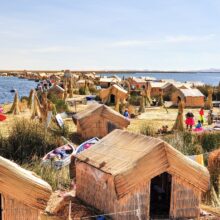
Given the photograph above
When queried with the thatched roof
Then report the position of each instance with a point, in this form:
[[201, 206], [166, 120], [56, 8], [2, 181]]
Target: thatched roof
[[56, 88], [99, 110], [157, 84], [191, 93], [23, 185], [138, 80], [109, 80], [133, 158], [177, 85]]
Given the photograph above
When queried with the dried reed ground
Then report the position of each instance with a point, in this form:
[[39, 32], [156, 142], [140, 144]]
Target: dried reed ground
[[155, 117]]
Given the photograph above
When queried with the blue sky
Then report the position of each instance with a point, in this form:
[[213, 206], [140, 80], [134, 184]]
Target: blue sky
[[110, 34]]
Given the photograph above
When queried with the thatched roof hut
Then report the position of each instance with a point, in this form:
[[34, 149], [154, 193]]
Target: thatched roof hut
[[156, 88], [113, 93], [191, 97], [137, 83], [23, 194], [140, 177], [56, 90], [98, 120]]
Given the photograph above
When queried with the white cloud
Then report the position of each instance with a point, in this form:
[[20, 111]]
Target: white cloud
[[165, 40], [188, 38], [53, 49]]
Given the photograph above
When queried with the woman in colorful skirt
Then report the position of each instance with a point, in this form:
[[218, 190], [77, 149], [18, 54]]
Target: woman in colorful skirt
[[189, 121]]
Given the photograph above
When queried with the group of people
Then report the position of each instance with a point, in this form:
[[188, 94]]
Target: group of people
[[190, 122], [44, 85]]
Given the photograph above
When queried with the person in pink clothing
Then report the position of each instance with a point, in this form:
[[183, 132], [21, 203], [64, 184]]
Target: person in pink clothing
[[190, 122]]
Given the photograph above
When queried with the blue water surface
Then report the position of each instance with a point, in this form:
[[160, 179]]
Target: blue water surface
[[23, 86]]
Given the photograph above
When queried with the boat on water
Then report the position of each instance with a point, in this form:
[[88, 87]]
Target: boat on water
[[61, 156], [13, 90]]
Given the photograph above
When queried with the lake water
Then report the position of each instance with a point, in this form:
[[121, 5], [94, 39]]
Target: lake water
[[24, 86], [207, 78]]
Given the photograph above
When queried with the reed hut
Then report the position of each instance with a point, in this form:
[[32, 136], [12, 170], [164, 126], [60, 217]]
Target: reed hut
[[156, 88], [112, 94], [191, 97], [140, 177], [137, 83], [98, 120], [56, 91], [23, 195]]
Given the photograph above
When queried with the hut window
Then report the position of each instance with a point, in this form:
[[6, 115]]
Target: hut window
[[160, 193]]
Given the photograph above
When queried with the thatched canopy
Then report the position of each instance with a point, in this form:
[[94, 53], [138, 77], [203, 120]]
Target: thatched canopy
[[99, 110], [56, 88], [191, 93], [110, 79], [132, 158], [23, 185], [116, 90]]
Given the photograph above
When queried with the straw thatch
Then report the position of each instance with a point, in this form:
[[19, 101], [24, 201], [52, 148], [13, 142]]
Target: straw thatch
[[142, 105], [160, 101], [98, 120], [208, 103], [24, 194], [126, 84], [15, 108], [57, 91], [115, 174], [30, 98], [178, 125], [213, 195], [37, 108]]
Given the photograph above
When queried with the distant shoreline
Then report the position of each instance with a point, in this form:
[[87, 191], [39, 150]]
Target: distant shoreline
[[107, 71]]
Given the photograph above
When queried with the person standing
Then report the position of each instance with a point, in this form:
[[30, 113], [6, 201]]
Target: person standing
[[126, 114], [189, 121], [201, 114]]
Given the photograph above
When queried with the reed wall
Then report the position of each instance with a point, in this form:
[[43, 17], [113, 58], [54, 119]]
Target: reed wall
[[185, 200], [15, 210]]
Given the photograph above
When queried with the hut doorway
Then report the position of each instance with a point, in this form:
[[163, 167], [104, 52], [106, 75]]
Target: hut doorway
[[160, 192], [111, 127], [112, 99]]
